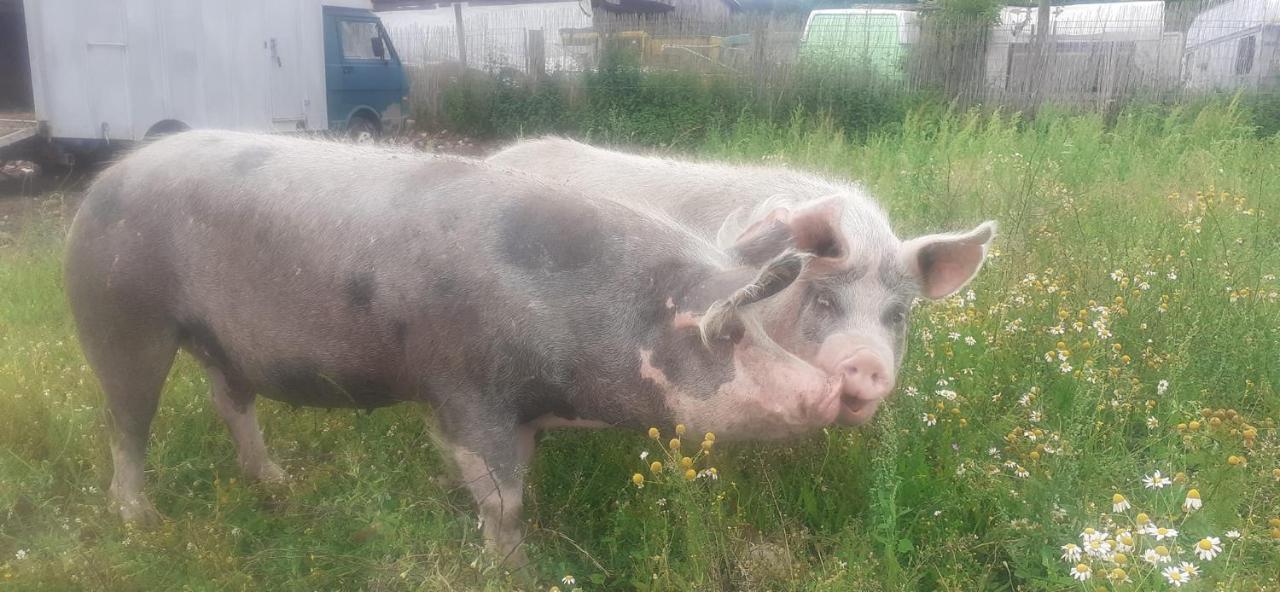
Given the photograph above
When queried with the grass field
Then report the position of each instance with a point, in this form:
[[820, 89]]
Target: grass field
[[1127, 322]]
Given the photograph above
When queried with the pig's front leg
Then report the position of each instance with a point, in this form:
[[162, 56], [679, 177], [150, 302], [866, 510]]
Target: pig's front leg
[[493, 469]]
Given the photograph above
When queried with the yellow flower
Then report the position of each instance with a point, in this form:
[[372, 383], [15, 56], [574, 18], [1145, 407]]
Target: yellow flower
[[655, 467], [706, 445], [1142, 518], [679, 429], [686, 462], [638, 479], [690, 475], [1193, 425], [674, 444], [1119, 558], [653, 433], [1235, 461], [710, 437]]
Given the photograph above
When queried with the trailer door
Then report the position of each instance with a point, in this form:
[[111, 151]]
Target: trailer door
[[284, 55]]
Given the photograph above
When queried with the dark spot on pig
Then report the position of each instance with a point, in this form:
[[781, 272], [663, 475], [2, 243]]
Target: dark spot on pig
[[303, 383], [551, 235], [894, 277], [691, 366], [359, 290], [199, 339], [538, 397], [251, 158]]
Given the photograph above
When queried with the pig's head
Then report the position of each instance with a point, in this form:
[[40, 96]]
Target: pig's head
[[720, 371], [846, 313]]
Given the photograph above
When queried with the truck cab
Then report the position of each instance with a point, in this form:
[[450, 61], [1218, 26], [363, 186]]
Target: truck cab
[[365, 85]]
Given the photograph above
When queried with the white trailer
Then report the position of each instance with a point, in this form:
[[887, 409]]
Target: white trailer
[[1234, 45], [106, 70]]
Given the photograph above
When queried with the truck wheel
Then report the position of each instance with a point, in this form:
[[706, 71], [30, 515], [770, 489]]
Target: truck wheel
[[363, 130]]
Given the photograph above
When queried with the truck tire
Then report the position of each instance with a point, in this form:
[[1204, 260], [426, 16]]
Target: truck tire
[[363, 130]]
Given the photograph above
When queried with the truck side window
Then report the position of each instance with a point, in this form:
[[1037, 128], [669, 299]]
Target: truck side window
[[1244, 54], [357, 39]]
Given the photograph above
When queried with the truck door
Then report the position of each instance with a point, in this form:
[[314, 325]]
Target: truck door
[[362, 70]]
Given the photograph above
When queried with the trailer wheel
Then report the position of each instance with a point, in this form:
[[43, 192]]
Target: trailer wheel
[[363, 130]]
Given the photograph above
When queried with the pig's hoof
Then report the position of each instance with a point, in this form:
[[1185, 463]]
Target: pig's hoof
[[270, 473], [137, 511]]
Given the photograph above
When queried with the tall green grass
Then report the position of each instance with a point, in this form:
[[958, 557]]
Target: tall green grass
[[1151, 245]]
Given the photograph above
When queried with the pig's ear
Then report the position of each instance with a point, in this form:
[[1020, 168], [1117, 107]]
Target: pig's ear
[[944, 263], [814, 229], [721, 320]]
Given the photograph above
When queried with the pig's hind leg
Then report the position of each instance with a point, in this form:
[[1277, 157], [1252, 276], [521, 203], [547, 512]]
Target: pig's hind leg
[[234, 401], [131, 357]]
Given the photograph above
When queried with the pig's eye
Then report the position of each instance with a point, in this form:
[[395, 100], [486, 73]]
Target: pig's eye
[[824, 302], [895, 316]]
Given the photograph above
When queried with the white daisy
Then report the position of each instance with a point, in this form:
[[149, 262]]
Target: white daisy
[[1161, 533], [644, 455], [1158, 555], [1089, 534], [1175, 576], [1098, 548], [1161, 387], [1208, 548], [929, 419], [1193, 501], [1152, 423], [1119, 503], [1124, 541], [1081, 572], [1156, 481], [567, 580], [1233, 534], [1189, 568], [1070, 552]]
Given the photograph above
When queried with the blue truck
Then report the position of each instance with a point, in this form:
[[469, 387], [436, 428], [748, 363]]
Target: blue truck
[[109, 70]]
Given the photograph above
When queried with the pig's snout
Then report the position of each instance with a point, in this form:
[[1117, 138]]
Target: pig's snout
[[866, 379]]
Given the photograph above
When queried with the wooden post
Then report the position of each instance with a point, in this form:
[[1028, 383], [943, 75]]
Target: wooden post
[[462, 35], [1040, 74], [536, 54]]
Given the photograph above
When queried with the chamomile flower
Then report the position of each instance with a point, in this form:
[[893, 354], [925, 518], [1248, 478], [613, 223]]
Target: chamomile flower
[[1090, 534], [1176, 576], [1124, 541], [567, 580], [929, 419], [1158, 555], [1161, 387], [1070, 552], [1118, 575], [1161, 533], [1156, 481], [1208, 548], [1081, 572], [1119, 503], [1233, 534], [1193, 500], [1189, 568], [1098, 548]]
